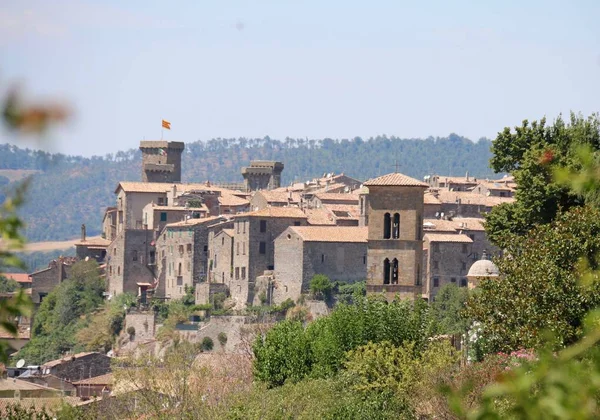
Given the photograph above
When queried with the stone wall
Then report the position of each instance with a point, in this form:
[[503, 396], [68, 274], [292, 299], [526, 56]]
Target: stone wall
[[235, 327], [449, 262], [76, 369], [43, 281], [205, 292], [221, 254], [144, 324]]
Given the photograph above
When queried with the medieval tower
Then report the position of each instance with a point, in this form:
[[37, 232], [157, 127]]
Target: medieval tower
[[395, 246], [262, 175], [161, 161]]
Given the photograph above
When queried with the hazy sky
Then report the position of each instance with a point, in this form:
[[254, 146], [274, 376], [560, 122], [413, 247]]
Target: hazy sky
[[299, 68]]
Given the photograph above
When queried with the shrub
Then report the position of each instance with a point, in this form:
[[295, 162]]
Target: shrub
[[207, 344], [131, 331], [222, 337], [321, 287]]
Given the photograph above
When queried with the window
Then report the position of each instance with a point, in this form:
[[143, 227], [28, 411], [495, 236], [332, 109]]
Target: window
[[205, 249], [161, 201], [464, 265], [119, 270], [418, 280], [263, 226], [387, 226], [134, 255], [364, 259], [296, 223], [436, 265], [395, 271], [188, 266], [237, 273], [181, 249], [418, 235], [163, 216], [262, 248], [110, 270], [244, 227], [453, 280], [164, 236], [386, 271], [463, 282], [243, 248], [436, 282], [237, 251], [114, 251], [238, 227], [243, 272], [223, 241], [179, 281], [322, 258], [396, 226], [472, 237], [464, 248], [152, 257], [188, 247]]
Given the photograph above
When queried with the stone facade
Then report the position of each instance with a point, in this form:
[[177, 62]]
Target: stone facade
[[182, 250], [253, 246], [143, 323], [340, 253], [395, 245], [221, 256], [262, 175], [109, 224], [43, 281], [161, 161]]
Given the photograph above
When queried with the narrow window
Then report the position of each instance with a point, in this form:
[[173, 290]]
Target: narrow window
[[243, 248], [387, 228], [181, 249], [188, 247], [322, 258], [243, 272], [134, 255], [205, 249], [237, 250], [396, 226], [453, 280], [418, 281], [262, 248], [395, 271], [436, 282], [244, 226], [364, 259], [238, 227], [237, 273], [179, 269], [386, 271], [223, 241], [118, 270], [263, 226], [418, 235], [163, 216], [110, 270], [188, 266]]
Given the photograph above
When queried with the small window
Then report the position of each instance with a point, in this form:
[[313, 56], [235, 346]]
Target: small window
[[243, 272], [464, 265], [463, 282], [322, 258], [262, 248], [238, 227], [223, 241], [237, 273], [163, 216], [110, 270], [134, 255], [243, 248], [436, 282], [114, 251], [179, 281], [364, 259], [237, 250], [296, 223], [118, 270], [244, 228], [263, 226], [205, 248], [453, 280], [164, 236], [181, 249], [188, 247], [161, 201]]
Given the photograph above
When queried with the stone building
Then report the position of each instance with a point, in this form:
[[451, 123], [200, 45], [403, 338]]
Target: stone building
[[254, 236], [109, 224], [301, 252], [277, 198], [161, 161], [452, 183], [43, 281], [262, 175], [220, 250], [494, 189], [182, 250], [447, 259], [482, 269], [156, 217], [395, 245]]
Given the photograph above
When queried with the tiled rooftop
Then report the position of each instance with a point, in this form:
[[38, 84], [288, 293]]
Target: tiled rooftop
[[349, 197], [106, 379], [441, 237], [395, 179], [294, 212], [332, 233], [193, 222]]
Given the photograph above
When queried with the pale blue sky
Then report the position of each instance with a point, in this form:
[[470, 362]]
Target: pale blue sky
[[299, 68]]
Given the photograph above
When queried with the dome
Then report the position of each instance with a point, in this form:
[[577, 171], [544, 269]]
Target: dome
[[483, 268]]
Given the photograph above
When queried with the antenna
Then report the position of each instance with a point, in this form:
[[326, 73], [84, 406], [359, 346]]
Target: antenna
[[20, 363]]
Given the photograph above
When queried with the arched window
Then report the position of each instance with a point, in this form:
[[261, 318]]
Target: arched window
[[394, 271], [396, 226], [386, 271], [387, 228]]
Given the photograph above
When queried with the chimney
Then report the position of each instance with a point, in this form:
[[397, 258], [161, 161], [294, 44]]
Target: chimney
[[83, 233]]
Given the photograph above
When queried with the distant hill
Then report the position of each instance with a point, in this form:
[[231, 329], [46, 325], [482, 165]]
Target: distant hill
[[71, 190]]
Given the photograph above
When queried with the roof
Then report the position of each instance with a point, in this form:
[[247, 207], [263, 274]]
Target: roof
[[349, 197], [163, 187], [12, 384], [458, 180], [466, 197], [395, 179], [429, 198], [441, 237], [18, 277], [292, 212], [483, 268], [454, 225], [106, 379], [232, 200], [229, 232], [68, 358], [193, 222], [495, 186], [319, 216], [353, 234], [279, 196], [97, 242]]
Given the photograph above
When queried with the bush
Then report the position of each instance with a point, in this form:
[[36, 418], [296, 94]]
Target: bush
[[321, 287], [222, 337], [131, 331], [207, 344]]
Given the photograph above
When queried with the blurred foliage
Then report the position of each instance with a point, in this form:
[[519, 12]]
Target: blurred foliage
[[448, 307]]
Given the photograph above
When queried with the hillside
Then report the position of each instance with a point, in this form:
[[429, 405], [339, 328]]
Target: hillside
[[72, 190]]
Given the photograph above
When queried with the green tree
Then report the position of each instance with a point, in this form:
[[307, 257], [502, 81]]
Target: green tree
[[321, 287], [8, 285], [447, 309], [530, 153], [540, 290]]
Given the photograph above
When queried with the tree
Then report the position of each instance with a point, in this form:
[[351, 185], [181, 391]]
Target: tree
[[539, 290], [531, 153], [321, 287], [447, 309]]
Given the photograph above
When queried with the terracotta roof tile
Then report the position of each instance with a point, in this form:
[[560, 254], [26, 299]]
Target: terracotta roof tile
[[454, 225], [349, 197], [106, 379], [395, 179], [18, 277], [319, 217], [280, 196], [293, 212], [193, 222], [441, 237], [331, 233], [232, 200], [472, 198]]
